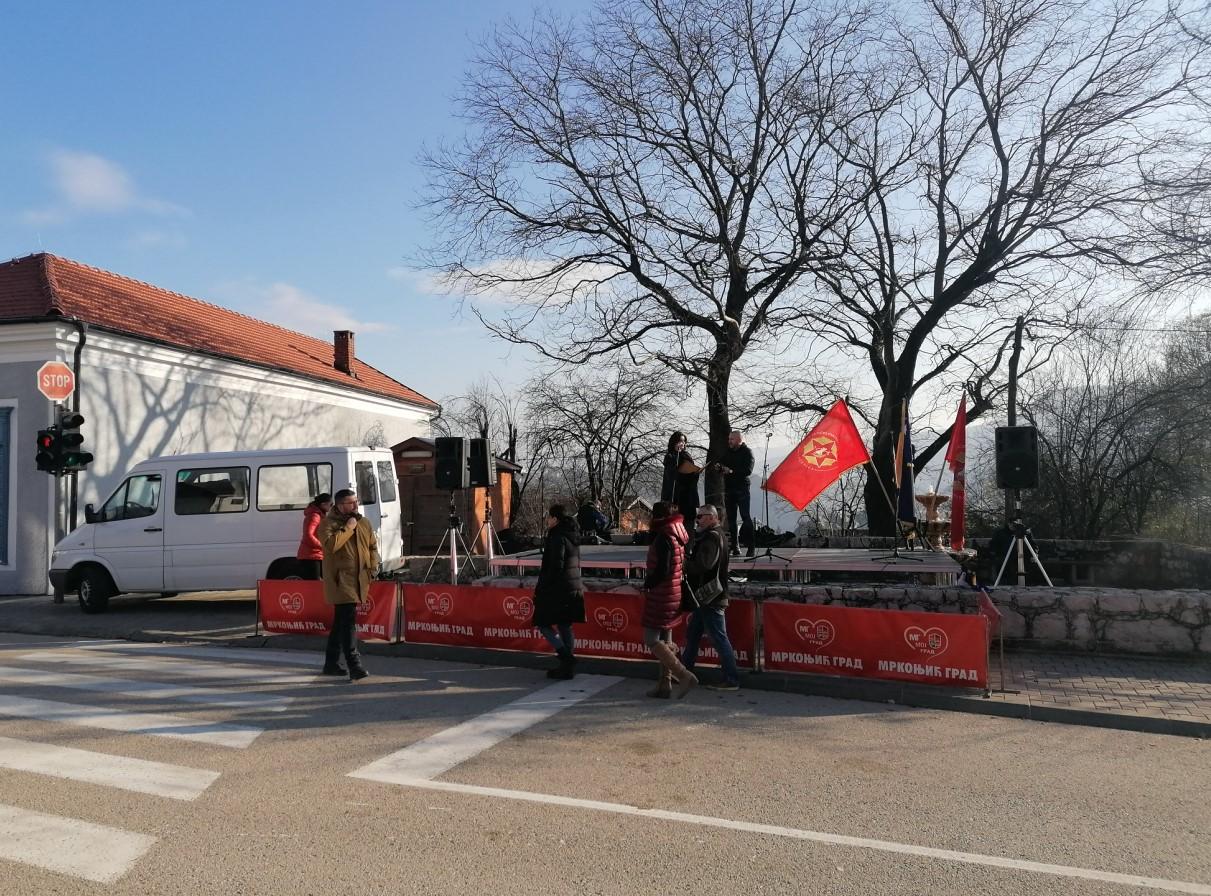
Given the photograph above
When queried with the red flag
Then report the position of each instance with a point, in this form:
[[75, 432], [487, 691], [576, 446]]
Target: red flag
[[989, 611], [830, 449], [956, 457]]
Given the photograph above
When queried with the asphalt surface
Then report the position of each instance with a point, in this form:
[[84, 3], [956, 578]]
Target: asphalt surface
[[601, 791]]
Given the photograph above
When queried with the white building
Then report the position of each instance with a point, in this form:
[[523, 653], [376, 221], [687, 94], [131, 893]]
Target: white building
[[161, 373]]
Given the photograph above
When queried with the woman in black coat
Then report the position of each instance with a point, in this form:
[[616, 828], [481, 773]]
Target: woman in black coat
[[678, 488], [559, 594]]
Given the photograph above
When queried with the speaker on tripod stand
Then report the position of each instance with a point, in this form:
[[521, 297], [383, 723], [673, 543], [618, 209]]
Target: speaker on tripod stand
[[1017, 459]]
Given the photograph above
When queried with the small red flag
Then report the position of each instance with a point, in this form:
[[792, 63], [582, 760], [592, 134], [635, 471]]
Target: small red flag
[[956, 457], [831, 448]]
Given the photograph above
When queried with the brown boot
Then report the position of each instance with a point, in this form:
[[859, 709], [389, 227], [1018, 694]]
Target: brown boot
[[672, 666], [664, 685]]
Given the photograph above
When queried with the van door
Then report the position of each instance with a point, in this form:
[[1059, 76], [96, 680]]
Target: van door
[[208, 545], [391, 521], [383, 516], [129, 534]]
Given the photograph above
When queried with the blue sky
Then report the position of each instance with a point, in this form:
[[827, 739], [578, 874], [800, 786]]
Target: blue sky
[[259, 155]]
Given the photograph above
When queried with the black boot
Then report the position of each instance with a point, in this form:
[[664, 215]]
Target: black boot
[[567, 664]]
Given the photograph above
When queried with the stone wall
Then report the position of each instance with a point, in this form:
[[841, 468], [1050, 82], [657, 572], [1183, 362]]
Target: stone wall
[[1176, 622]]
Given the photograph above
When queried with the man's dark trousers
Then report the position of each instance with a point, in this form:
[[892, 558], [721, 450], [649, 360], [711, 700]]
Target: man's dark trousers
[[343, 638], [737, 504]]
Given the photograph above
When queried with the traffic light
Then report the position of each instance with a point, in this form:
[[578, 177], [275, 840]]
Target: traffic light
[[72, 456], [48, 450]]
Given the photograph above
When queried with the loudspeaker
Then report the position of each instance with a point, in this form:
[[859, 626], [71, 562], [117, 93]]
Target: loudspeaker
[[1017, 457], [481, 464], [450, 462]]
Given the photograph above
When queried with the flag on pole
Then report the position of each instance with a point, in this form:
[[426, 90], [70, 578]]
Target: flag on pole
[[906, 510], [956, 459], [832, 447]]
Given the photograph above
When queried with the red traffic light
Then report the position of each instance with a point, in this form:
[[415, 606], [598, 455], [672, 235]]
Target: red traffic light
[[45, 440]]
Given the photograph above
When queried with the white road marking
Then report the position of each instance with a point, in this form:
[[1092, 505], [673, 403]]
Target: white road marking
[[434, 755], [176, 782], [256, 655], [156, 724], [69, 846], [130, 687], [172, 667], [946, 855]]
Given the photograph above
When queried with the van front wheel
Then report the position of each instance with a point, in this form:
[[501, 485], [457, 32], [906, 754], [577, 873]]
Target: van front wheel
[[94, 591]]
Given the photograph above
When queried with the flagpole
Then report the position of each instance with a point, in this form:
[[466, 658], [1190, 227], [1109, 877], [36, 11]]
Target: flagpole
[[882, 487]]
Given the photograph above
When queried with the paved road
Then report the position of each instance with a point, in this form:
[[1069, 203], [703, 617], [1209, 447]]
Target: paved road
[[151, 769]]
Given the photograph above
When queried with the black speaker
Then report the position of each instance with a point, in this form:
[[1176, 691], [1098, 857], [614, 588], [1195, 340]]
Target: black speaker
[[450, 462], [1017, 457], [482, 464]]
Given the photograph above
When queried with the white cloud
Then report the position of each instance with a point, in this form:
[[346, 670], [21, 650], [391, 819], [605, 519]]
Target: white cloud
[[291, 307], [157, 239], [88, 184]]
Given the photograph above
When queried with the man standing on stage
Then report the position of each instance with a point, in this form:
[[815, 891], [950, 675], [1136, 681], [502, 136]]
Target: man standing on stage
[[737, 466]]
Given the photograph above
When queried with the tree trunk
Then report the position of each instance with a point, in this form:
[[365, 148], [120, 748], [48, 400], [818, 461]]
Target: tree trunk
[[719, 424], [880, 514]]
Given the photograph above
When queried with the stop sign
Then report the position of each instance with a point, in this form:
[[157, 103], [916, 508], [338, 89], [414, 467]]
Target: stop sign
[[56, 380]]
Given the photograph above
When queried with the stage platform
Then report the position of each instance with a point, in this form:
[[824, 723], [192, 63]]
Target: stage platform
[[797, 564]]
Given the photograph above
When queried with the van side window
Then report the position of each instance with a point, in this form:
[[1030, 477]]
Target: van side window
[[291, 487], [386, 480], [137, 496], [212, 490], [363, 472]]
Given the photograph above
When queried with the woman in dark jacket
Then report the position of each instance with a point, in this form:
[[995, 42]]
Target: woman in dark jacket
[[311, 552], [559, 594], [662, 598], [678, 488]]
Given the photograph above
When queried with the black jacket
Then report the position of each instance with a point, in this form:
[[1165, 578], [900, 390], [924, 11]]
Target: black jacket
[[680, 488], [740, 461], [559, 594], [705, 559]]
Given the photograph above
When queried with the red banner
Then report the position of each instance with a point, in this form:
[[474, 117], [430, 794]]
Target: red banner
[[472, 616], [297, 607], [934, 648]]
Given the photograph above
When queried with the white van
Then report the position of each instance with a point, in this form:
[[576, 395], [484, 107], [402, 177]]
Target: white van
[[218, 521]]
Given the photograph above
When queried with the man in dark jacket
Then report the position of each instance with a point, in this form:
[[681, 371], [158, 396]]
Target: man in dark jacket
[[559, 594], [737, 467], [706, 573]]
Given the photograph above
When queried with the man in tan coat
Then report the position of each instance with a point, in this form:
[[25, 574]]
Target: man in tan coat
[[350, 563]]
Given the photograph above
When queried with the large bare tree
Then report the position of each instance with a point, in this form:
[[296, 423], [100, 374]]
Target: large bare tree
[[657, 180]]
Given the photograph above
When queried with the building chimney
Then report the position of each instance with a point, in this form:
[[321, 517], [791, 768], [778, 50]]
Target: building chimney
[[342, 356]]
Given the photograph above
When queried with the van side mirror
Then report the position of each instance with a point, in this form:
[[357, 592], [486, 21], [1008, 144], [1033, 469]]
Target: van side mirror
[[90, 514]]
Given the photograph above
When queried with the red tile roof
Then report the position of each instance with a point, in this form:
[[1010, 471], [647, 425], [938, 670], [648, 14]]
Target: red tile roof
[[45, 286]]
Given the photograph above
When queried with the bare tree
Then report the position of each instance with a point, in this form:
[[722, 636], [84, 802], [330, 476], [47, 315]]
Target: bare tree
[[606, 430], [658, 181], [1122, 433]]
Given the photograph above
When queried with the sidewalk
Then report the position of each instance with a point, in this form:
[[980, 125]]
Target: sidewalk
[[1159, 696]]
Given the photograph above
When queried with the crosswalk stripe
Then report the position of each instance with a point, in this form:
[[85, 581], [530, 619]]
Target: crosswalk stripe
[[130, 687], [173, 666], [69, 846], [176, 782], [428, 758], [257, 655], [156, 724]]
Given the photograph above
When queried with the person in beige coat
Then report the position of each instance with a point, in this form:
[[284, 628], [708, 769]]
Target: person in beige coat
[[350, 563]]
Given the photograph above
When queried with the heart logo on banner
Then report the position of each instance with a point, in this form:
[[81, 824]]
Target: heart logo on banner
[[611, 620], [366, 607], [519, 608], [439, 604], [818, 634], [926, 641], [291, 603]]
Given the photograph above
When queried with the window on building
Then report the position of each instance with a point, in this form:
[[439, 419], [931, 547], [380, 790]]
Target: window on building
[[386, 480], [291, 487], [211, 490], [363, 471], [138, 496]]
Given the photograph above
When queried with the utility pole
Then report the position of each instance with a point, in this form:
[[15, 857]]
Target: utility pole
[[1013, 497]]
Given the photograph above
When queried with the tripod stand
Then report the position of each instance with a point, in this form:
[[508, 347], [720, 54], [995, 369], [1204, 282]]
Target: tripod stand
[[490, 548], [454, 532], [1021, 544]]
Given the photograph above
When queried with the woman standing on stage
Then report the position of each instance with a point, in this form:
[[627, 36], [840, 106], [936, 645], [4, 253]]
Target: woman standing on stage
[[680, 483]]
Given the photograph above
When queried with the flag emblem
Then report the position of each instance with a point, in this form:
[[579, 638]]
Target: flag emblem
[[820, 451]]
